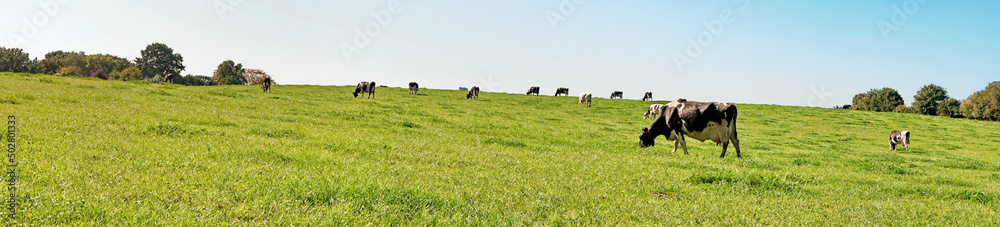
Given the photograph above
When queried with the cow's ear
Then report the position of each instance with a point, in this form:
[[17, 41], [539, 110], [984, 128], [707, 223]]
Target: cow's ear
[[645, 131]]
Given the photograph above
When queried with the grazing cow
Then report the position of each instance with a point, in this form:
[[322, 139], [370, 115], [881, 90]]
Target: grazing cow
[[654, 110], [532, 90], [899, 137], [584, 97], [844, 107], [648, 96], [266, 85], [562, 91], [616, 94], [365, 87], [473, 94], [414, 88], [699, 120]]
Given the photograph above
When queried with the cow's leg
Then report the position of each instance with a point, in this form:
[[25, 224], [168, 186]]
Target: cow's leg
[[736, 144], [725, 144], [683, 143], [676, 144], [892, 146]]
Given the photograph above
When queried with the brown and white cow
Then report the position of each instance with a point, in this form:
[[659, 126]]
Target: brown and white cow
[[414, 87], [533, 90], [899, 137], [562, 91], [584, 98], [699, 120], [473, 94], [363, 87], [616, 94], [654, 110], [648, 96]]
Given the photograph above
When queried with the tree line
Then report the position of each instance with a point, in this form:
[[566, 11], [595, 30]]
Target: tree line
[[158, 64], [934, 100]]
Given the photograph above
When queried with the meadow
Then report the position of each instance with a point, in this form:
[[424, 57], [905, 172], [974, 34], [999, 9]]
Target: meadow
[[96, 152]]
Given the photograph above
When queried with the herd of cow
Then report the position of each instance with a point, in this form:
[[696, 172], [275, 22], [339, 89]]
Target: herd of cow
[[675, 120]]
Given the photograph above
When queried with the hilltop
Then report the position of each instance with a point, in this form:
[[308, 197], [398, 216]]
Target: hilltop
[[133, 153]]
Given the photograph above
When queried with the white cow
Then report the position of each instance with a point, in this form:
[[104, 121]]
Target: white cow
[[584, 97]]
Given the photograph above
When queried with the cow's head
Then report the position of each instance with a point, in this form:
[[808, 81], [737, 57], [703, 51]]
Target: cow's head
[[468, 96], [647, 139]]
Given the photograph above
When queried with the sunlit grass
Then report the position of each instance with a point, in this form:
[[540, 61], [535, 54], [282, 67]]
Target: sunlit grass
[[133, 153]]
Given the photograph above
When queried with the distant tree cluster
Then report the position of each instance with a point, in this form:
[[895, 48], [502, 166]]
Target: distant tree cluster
[[157, 64], [983, 105], [880, 100], [933, 100]]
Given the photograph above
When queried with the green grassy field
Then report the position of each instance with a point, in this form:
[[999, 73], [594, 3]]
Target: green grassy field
[[132, 153]]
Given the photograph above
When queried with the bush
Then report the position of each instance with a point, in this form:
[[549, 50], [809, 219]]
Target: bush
[[949, 108], [881, 100], [983, 105]]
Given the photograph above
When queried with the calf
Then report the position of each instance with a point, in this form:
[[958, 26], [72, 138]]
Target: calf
[[648, 96], [616, 94], [699, 120], [654, 110], [532, 90], [363, 87], [584, 97], [899, 137], [562, 91], [473, 94], [266, 86], [414, 88]]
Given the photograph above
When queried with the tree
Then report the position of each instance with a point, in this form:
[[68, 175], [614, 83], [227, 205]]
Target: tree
[[928, 98], [881, 100], [105, 63], [229, 73], [159, 59], [949, 108], [13, 60], [256, 76], [983, 105]]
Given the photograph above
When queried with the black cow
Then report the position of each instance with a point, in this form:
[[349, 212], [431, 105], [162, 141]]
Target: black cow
[[648, 96], [532, 90], [365, 87], [473, 94], [616, 94], [266, 85], [899, 137], [562, 91], [414, 88], [698, 120]]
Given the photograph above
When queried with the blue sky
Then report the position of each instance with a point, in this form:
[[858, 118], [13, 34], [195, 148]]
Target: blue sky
[[805, 53]]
